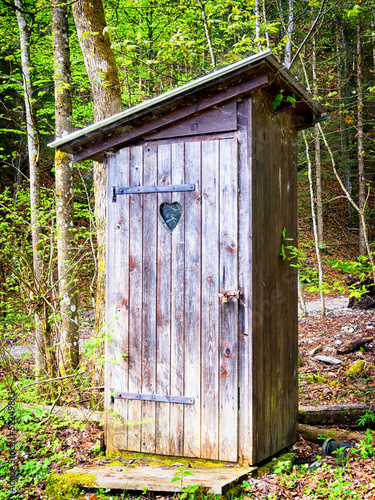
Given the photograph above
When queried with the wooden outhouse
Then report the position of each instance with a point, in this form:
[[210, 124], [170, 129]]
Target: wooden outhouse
[[201, 306]]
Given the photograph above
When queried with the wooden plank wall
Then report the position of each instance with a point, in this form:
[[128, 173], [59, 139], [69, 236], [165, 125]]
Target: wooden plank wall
[[274, 284], [180, 339]]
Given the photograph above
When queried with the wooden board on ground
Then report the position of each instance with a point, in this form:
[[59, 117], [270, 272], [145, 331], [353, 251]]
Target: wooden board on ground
[[216, 480]]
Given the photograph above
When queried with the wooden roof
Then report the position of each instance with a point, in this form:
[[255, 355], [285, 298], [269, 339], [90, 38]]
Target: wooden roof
[[258, 71]]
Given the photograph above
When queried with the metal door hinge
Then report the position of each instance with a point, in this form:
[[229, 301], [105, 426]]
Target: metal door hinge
[[157, 398], [176, 188]]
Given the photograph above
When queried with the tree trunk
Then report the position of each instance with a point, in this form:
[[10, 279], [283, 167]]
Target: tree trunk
[[288, 46], [265, 24], [343, 62], [257, 25], [69, 336], [317, 249], [318, 166], [301, 298], [103, 74], [44, 355], [208, 34], [361, 148]]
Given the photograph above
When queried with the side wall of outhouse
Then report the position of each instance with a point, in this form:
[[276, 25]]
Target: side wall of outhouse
[[274, 331]]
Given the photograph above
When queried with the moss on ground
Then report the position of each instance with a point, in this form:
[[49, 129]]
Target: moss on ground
[[166, 460], [69, 485], [356, 369], [323, 380], [284, 461]]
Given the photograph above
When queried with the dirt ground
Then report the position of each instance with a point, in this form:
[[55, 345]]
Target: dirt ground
[[327, 334]]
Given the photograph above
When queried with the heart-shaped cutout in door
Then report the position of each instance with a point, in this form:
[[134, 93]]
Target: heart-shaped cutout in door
[[171, 214]]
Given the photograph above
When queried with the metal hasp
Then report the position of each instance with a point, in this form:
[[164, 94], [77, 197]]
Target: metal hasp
[[151, 397], [150, 189], [231, 296]]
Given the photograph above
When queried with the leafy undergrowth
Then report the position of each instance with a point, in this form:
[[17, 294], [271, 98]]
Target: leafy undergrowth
[[326, 479], [42, 447], [32, 446]]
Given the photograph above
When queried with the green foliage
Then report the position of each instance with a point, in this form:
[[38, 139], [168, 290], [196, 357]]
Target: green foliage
[[367, 418], [292, 250], [367, 445], [359, 267], [282, 99], [35, 448], [185, 491]]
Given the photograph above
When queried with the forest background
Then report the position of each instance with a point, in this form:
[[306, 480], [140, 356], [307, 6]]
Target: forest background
[[65, 65]]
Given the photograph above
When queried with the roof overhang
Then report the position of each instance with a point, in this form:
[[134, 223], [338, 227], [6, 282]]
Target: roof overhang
[[246, 76]]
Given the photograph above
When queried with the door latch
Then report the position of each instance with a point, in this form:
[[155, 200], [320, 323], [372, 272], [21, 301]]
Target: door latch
[[231, 296]]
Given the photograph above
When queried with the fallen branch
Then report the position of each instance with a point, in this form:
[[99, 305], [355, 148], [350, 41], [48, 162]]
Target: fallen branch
[[333, 414], [319, 434], [354, 345]]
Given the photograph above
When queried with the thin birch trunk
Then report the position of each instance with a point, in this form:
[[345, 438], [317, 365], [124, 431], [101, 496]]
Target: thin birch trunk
[[344, 96], [288, 46], [208, 34], [69, 335], [361, 148], [101, 67], [257, 25], [317, 249], [318, 166], [301, 298], [44, 356], [361, 213], [265, 23]]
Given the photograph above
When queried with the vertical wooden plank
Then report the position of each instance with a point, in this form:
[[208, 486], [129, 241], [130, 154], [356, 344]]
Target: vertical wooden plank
[[266, 261], [284, 168], [163, 306], [135, 298], [271, 306], [228, 237], [210, 299], [176, 445], [149, 298], [289, 289], [111, 288], [259, 146], [121, 324], [193, 248], [245, 381]]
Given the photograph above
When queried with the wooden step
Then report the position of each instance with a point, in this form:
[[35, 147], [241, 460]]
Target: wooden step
[[216, 480]]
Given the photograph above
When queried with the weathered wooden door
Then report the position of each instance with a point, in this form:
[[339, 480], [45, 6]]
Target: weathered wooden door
[[171, 334]]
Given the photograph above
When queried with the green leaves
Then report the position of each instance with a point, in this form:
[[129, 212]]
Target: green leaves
[[280, 98], [292, 250]]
